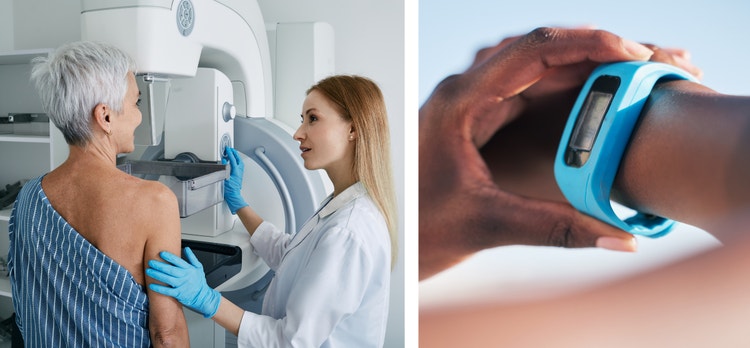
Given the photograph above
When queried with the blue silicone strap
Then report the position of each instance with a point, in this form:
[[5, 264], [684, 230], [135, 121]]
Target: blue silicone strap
[[588, 187]]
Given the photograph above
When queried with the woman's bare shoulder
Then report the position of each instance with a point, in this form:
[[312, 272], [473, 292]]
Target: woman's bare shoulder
[[150, 197]]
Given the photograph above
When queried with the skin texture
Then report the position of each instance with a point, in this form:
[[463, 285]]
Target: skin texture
[[327, 140], [533, 80], [701, 302], [697, 156], [702, 139], [128, 219], [687, 160]]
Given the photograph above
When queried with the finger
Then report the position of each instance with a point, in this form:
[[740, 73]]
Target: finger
[[234, 158], [689, 67], [228, 153], [237, 157], [166, 268], [525, 61], [571, 77], [192, 258], [164, 290], [235, 154], [678, 52], [536, 222], [677, 57], [227, 150], [173, 259], [164, 277], [529, 57], [486, 52]]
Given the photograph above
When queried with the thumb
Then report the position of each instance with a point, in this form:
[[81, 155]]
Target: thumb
[[545, 223], [190, 256]]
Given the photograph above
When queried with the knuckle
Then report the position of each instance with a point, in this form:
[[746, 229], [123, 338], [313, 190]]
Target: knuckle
[[650, 46], [448, 83], [449, 88], [603, 36], [561, 233], [542, 35], [607, 39], [481, 53]]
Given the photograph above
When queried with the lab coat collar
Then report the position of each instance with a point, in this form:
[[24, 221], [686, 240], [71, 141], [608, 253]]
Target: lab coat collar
[[330, 206], [349, 194]]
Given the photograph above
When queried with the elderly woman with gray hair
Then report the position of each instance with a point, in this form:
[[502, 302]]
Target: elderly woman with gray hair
[[81, 235]]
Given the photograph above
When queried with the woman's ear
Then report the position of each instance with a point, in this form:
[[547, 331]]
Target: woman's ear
[[352, 133], [101, 116]]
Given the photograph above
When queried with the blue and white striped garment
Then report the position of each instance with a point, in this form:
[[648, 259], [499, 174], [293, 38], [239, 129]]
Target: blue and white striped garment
[[67, 293]]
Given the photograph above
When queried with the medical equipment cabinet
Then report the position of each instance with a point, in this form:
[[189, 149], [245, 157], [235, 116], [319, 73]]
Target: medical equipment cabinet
[[22, 157]]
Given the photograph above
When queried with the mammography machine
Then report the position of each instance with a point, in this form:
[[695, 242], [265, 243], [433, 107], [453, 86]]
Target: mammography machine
[[204, 71]]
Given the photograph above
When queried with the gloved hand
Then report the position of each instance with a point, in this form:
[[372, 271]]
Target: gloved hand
[[233, 185], [187, 282]]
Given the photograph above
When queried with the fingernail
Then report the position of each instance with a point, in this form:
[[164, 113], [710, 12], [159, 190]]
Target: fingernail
[[617, 244], [698, 73], [637, 49]]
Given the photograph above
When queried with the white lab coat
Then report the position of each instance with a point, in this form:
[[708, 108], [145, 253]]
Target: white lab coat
[[332, 279]]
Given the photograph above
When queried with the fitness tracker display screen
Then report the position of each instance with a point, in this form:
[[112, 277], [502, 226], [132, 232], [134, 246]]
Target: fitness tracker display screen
[[590, 120]]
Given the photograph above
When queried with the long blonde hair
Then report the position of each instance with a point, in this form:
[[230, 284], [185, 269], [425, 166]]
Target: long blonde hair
[[360, 101]]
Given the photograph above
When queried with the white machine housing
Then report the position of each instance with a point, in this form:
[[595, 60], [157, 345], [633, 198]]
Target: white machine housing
[[151, 32], [169, 40], [200, 121], [200, 48]]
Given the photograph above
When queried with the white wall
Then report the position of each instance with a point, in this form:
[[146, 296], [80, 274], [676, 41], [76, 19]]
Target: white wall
[[6, 25], [45, 23], [369, 40]]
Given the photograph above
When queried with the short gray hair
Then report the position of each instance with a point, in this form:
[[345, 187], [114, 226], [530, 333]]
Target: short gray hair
[[75, 78]]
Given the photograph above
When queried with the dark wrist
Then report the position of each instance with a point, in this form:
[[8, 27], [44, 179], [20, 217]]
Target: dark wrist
[[686, 155]]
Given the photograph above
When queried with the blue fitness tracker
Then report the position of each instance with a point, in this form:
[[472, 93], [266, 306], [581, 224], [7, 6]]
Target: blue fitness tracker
[[597, 134]]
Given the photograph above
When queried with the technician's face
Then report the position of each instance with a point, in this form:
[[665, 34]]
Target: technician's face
[[326, 139]]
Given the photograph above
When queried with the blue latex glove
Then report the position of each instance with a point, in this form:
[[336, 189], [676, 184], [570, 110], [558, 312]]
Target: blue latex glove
[[233, 185], [187, 282]]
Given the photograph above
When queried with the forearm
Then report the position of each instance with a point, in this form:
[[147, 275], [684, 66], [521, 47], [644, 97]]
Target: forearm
[[175, 337], [688, 159], [250, 219], [701, 302], [167, 325], [229, 316]]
